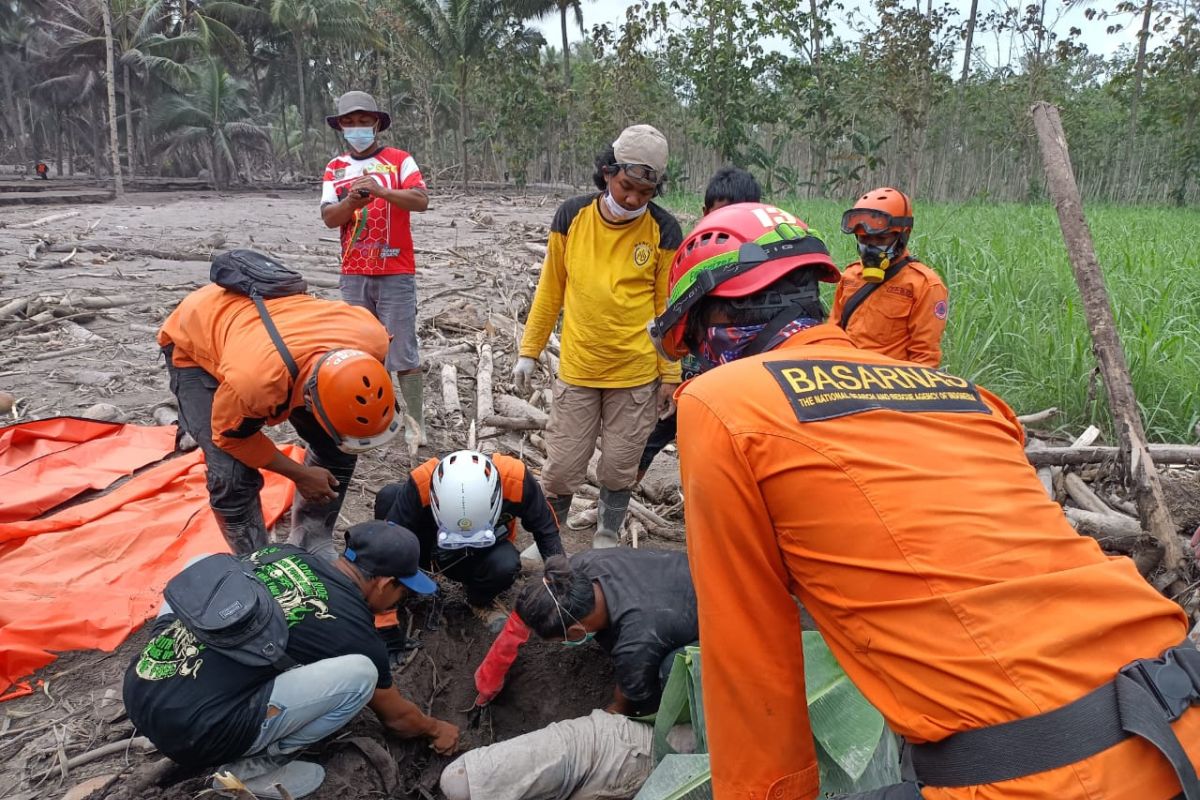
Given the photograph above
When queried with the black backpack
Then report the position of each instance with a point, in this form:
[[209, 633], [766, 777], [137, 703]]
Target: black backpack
[[260, 277], [227, 608]]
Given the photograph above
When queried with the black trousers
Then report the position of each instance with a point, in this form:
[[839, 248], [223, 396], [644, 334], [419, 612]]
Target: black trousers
[[663, 434], [233, 487], [484, 573]]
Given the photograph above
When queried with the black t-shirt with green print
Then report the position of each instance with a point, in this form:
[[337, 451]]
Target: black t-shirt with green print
[[200, 707]]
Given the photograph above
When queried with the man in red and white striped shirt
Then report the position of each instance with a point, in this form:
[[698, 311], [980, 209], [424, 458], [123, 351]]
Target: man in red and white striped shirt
[[369, 192]]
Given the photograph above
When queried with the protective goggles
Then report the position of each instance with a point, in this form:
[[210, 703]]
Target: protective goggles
[[870, 221], [351, 445], [454, 540], [667, 331], [641, 172]]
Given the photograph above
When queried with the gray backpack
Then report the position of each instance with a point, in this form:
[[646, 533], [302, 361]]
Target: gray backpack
[[228, 609]]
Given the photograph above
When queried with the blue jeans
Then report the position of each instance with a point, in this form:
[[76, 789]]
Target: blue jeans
[[311, 702]]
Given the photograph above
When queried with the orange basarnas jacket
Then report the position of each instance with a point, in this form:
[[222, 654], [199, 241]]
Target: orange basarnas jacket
[[221, 332], [895, 501], [904, 318]]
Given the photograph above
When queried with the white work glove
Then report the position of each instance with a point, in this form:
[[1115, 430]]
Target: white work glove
[[523, 375]]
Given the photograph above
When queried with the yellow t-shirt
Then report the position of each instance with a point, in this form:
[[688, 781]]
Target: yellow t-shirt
[[609, 280]]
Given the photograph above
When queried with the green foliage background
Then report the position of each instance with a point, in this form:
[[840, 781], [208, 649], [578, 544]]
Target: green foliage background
[[1016, 322]]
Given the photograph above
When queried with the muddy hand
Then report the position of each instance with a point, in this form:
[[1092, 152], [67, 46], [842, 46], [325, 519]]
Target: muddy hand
[[445, 738], [317, 485]]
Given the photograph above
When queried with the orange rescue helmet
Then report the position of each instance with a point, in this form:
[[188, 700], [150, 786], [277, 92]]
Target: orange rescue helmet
[[736, 251], [350, 393], [883, 210]]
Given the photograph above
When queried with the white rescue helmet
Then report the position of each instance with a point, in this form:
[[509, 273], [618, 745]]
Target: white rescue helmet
[[465, 496]]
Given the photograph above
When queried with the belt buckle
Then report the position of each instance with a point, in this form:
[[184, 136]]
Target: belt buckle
[[1166, 679]]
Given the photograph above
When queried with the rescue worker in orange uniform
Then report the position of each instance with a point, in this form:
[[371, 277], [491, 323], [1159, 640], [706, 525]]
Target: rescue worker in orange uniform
[[887, 300], [232, 380], [896, 503], [464, 510]]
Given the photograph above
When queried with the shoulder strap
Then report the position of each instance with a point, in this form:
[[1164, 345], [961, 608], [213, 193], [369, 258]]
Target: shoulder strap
[[866, 289], [284, 353]]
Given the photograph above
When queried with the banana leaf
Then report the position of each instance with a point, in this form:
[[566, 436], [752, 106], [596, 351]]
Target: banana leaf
[[845, 725], [855, 750]]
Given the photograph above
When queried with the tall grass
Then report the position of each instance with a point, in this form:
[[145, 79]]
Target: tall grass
[[1016, 321]]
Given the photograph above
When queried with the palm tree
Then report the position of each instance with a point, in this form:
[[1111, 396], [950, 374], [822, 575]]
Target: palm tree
[[110, 77], [563, 7], [457, 34], [17, 26], [308, 20], [209, 120], [80, 35]]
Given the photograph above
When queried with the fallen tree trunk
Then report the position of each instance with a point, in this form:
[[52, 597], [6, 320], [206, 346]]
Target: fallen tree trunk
[[43, 221], [514, 423], [1068, 456], [1083, 495], [13, 307], [96, 303], [201, 253], [450, 399], [1115, 531], [484, 407], [508, 405], [1040, 416]]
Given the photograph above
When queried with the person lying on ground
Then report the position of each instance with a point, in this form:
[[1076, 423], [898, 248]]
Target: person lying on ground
[[895, 501], [639, 605], [201, 706], [464, 509], [231, 380], [727, 186], [618, 245], [887, 301], [598, 756], [370, 193]]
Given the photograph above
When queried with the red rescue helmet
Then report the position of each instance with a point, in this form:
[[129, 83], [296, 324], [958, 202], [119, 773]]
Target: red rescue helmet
[[736, 251], [350, 393]]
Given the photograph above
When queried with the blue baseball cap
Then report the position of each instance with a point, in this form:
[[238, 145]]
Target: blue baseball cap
[[378, 547]]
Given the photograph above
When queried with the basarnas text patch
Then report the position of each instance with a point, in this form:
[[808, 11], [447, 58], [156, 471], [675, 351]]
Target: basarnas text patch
[[821, 390]]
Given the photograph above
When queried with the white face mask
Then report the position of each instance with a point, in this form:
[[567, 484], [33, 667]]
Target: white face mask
[[620, 212]]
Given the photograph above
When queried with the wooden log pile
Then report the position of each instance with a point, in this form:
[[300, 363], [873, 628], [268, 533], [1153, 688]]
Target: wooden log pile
[[1098, 499]]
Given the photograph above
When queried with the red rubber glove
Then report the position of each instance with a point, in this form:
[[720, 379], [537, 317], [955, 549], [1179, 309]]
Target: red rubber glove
[[489, 677]]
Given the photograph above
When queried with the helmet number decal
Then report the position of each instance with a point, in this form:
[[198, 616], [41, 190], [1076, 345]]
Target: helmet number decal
[[770, 216]]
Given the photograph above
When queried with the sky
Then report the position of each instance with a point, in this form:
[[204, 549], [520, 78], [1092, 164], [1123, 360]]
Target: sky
[[1094, 34]]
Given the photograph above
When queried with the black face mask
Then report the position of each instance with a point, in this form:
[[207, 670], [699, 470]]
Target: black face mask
[[873, 255], [876, 259]]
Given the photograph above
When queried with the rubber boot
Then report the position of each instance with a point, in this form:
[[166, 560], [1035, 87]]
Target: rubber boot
[[560, 504], [312, 523], [611, 510], [412, 390], [261, 774], [244, 529]]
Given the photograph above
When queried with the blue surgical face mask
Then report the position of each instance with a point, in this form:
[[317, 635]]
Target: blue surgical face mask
[[359, 138], [587, 637]]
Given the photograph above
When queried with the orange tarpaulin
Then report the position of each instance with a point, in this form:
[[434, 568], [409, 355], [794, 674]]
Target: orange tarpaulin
[[89, 575], [49, 461]]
